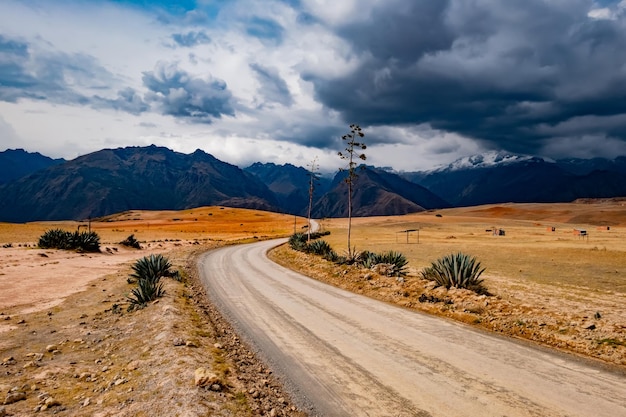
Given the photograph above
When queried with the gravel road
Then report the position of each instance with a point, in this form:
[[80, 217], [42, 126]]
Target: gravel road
[[342, 354]]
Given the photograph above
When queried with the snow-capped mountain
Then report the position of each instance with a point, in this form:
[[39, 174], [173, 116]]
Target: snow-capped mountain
[[498, 177], [488, 159]]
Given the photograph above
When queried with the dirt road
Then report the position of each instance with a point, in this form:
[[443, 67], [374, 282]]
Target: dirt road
[[347, 355]]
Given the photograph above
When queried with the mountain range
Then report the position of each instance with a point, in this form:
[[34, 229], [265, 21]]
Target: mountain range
[[114, 180]]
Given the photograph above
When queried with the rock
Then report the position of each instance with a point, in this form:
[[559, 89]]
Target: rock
[[120, 381], [51, 402], [216, 387], [204, 377], [191, 343], [132, 366], [178, 342], [3, 411], [591, 327], [51, 348], [8, 361], [14, 396], [86, 402], [218, 346]]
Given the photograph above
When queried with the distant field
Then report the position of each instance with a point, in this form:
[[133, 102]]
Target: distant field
[[215, 223], [529, 250]]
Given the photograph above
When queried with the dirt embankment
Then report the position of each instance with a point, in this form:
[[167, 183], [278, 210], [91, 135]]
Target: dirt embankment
[[589, 324]]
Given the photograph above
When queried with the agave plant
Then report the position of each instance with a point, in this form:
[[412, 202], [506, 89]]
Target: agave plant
[[456, 270], [397, 259], [147, 290], [151, 267], [85, 241], [297, 241], [319, 247], [55, 239]]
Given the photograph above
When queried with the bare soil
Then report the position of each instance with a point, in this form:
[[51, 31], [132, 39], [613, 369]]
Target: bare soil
[[69, 345]]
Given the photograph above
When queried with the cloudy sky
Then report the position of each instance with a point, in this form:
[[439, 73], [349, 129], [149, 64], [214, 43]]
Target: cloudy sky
[[280, 81]]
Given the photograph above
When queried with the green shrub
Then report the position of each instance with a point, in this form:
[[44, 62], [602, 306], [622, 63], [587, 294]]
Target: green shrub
[[297, 241], [147, 272], [396, 259], [55, 239], [456, 270], [151, 267], [147, 290], [131, 242], [85, 241], [318, 247], [62, 239]]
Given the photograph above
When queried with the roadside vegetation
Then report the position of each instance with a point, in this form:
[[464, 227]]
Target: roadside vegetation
[[389, 263], [456, 270], [147, 274]]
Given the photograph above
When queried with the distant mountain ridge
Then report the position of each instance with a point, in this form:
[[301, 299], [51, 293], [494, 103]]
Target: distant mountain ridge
[[17, 163], [376, 193], [115, 180], [290, 184]]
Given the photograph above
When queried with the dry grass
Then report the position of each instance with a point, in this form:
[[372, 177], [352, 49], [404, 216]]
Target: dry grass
[[214, 223], [529, 251], [553, 288]]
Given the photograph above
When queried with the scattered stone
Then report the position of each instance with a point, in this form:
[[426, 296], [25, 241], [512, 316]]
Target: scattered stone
[[86, 402], [216, 387], [178, 342], [204, 377], [218, 346], [591, 327], [14, 396], [8, 361], [51, 402], [132, 366], [120, 381], [191, 343]]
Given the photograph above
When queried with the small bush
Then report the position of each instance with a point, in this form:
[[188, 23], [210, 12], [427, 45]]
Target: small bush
[[456, 270], [55, 239], [297, 241], [62, 239], [147, 290], [151, 267], [131, 242], [396, 260], [147, 272], [318, 247], [85, 241]]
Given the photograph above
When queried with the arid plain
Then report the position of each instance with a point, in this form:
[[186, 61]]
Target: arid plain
[[65, 333]]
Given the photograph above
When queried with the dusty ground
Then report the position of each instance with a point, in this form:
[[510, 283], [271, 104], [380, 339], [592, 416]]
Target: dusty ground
[[69, 346], [66, 337]]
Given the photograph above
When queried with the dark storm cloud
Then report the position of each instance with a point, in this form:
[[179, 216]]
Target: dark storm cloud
[[177, 93], [511, 74], [190, 39], [54, 77], [273, 88]]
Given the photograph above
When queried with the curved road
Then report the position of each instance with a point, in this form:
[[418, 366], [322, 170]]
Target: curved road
[[343, 354]]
